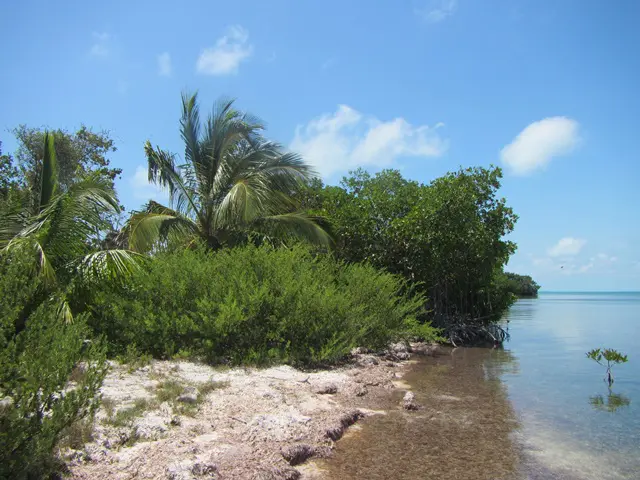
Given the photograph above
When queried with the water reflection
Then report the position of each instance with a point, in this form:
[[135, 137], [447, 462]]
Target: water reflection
[[611, 403]]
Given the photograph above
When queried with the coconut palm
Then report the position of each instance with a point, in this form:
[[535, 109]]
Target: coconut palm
[[233, 186], [55, 231]]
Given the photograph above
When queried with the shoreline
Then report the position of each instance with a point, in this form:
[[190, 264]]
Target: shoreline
[[182, 420]]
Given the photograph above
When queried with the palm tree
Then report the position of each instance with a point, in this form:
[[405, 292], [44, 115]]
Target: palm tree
[[55, 231], [233, 186]]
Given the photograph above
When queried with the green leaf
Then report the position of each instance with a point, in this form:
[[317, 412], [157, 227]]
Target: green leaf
[[49, 184]]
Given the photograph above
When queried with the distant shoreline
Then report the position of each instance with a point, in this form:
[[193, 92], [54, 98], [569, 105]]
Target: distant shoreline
[[589, 292]]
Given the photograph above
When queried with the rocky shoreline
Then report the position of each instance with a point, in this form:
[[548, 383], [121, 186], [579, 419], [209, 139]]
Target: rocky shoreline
[[183, 420]]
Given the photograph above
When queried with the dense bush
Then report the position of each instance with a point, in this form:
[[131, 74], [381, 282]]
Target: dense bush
[[38, 401], [39, 355], [447, 236], [255, 304], [19, 291], [521, 285]]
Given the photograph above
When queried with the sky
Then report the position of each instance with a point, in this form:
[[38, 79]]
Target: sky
[[547, 90]]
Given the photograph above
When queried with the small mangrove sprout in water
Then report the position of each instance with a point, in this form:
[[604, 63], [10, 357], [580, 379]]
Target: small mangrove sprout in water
[[612, 357]]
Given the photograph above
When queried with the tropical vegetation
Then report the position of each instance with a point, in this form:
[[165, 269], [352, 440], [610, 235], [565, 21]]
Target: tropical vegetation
[[255, 305], [233, 186], [521, 285], [253, 260], [57, 227], [446, 238]]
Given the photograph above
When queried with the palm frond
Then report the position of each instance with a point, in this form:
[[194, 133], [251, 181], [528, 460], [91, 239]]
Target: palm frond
[[12, 223], [74, 216], [63, 310], [42, 265], [190, 128], [114, 263], [222, 129], [49, 185], [158, 223], [161, 167], [263, 182], [163, 172], [295, 226]]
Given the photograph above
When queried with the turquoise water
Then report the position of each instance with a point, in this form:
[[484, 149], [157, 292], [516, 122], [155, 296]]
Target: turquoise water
[[537, 409], [556, 391]]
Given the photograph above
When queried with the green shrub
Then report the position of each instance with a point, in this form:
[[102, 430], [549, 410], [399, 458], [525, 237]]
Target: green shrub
[[254, 304], [39, 404], [20, 291], [521, 285]]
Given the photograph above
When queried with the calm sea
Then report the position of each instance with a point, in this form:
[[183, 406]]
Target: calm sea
[[570, 421], [538, 409]]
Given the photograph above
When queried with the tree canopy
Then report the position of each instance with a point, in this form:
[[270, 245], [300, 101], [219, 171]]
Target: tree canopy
[[77, 153], [521, 285], [446, 236], [233, 185], [55, 230]]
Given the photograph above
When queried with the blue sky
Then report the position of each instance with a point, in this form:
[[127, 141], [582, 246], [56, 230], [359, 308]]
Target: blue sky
[[546, 89]]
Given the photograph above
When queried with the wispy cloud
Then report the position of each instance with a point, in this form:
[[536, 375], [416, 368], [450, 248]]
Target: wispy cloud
[[540, 142], [436, 11], [340, 141], [565, 266], [564, 258], [227, 54], [100, 46], [605, 258], [143, 190], [567, 246], [164, 64]]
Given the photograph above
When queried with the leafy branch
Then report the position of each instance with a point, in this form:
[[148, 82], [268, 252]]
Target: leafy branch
[[610, 356]]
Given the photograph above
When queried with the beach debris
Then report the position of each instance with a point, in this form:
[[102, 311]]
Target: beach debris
[[336, 432], [327, 389], [409, 402], [297, 454]]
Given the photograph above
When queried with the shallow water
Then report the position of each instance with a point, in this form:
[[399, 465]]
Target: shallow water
[[537, 409]]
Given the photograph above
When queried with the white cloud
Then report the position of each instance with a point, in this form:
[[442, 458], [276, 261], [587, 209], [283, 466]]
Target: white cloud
[[539, 142], [605, 258], [228, 53], [567, 246], [164, 64], [563, 258], [564, 266], [101, 44], [585, 268], [347, 139], [143, 190], [438, 10]]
